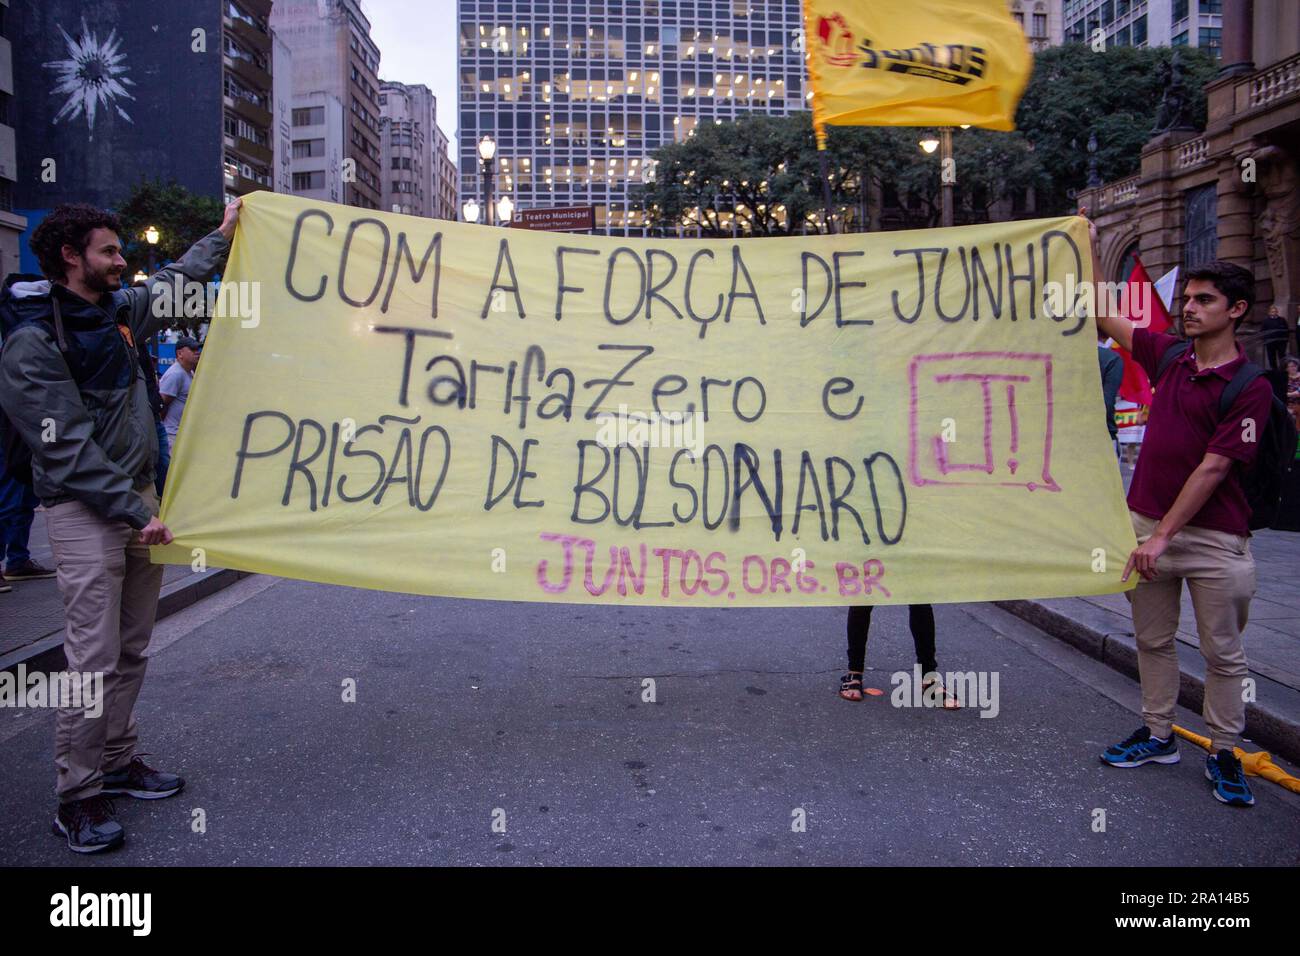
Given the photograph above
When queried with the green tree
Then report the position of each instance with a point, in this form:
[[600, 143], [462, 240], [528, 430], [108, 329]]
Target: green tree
[[765, 171], [181, 217], [752, 168], [1075, 92]]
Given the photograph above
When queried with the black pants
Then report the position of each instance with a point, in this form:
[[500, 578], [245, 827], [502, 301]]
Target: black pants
[[920, 619]]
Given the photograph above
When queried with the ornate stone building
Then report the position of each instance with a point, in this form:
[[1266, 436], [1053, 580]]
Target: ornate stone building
[[1231, 191]]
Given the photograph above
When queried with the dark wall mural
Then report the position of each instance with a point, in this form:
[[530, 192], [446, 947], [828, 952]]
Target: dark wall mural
[[109, 93]]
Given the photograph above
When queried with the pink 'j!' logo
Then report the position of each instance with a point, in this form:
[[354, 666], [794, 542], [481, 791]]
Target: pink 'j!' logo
[[981, 418]]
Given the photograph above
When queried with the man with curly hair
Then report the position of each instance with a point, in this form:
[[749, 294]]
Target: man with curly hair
[[73, 388]]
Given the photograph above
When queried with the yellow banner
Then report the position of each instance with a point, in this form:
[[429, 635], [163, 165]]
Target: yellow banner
[[919, 63], [441, 408]]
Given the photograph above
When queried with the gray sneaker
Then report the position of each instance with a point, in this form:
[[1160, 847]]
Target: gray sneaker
[[89, 825], [142, 781]]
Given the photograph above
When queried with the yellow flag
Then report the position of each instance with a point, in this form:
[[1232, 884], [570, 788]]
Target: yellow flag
[[918, 63]]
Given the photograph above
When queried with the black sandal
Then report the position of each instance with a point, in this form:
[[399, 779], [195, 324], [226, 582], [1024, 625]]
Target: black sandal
[[850, 683], [950, 701]]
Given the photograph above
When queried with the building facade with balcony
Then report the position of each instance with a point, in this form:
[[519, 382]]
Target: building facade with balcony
[[334, 57], [1146, 22], [248, 123], [445, 178], [1042, 20], [406, 134], [282, 108], [578, 95], [1233, 190]]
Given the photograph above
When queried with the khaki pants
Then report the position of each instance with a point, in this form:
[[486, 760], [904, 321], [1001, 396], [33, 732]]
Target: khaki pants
[[110, 598], [1220, 575]]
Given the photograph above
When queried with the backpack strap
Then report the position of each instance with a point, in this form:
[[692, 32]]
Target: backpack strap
[[1172, 355], [1243, 377], [58, 324]]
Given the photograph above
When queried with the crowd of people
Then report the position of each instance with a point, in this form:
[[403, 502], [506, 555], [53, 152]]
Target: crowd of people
[[93, 430]]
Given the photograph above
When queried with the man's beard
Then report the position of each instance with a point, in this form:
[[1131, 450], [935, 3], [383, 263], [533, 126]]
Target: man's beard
[[103, 281]]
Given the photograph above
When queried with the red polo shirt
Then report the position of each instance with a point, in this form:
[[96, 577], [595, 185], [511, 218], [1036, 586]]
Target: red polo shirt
[[1184, 425]]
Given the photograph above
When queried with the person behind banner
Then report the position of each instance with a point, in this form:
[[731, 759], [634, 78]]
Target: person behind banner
[[1112, 376], [150, 371], [1191, 519], [921, 622], [73, 387]]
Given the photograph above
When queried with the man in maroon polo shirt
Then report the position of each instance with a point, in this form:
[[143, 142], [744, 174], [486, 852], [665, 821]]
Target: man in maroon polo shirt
[[1190, 516]]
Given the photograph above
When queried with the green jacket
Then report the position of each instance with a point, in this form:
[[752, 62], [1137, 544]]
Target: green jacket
[[77, 394]]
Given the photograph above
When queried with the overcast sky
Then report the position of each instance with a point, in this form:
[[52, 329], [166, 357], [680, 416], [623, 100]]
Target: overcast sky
[[417, 44]]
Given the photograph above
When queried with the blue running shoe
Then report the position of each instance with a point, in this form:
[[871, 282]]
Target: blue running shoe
[[1138, 748], [1224, 771]]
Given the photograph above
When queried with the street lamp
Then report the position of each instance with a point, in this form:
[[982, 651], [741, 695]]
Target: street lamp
[[505, 210], [471, 210], [1094, 179], [151, 236], [929, 144], [487, 150], [139, 276]]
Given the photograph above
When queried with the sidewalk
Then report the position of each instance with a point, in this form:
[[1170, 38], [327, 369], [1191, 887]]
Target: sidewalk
[[1103, 628], [31, 615]]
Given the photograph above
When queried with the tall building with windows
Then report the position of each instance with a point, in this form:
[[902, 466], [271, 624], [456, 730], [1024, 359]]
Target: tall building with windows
[[577, 95], [334, 60], [1146, 22], [11, 224], [316, 163], [406, 135], [282, 110]]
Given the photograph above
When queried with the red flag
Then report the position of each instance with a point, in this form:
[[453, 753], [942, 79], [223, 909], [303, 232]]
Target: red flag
[[1142, 307]]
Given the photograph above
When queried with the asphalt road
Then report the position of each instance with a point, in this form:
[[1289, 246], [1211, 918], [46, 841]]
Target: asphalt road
[[471, 717]]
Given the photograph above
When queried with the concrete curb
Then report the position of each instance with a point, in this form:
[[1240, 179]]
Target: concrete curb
[[47, 653], [1272, 730]]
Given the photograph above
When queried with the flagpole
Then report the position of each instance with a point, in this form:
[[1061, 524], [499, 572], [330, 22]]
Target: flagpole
[[819, 124], [824, 168]]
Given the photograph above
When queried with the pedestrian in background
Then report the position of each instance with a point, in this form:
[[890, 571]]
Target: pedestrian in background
[[1112, 376], [1274, 333], [17, 512], [150, 370], [175, 385]]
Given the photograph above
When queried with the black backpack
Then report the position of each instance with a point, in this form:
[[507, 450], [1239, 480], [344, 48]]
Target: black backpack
[[1269, 479], [17, 456]]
